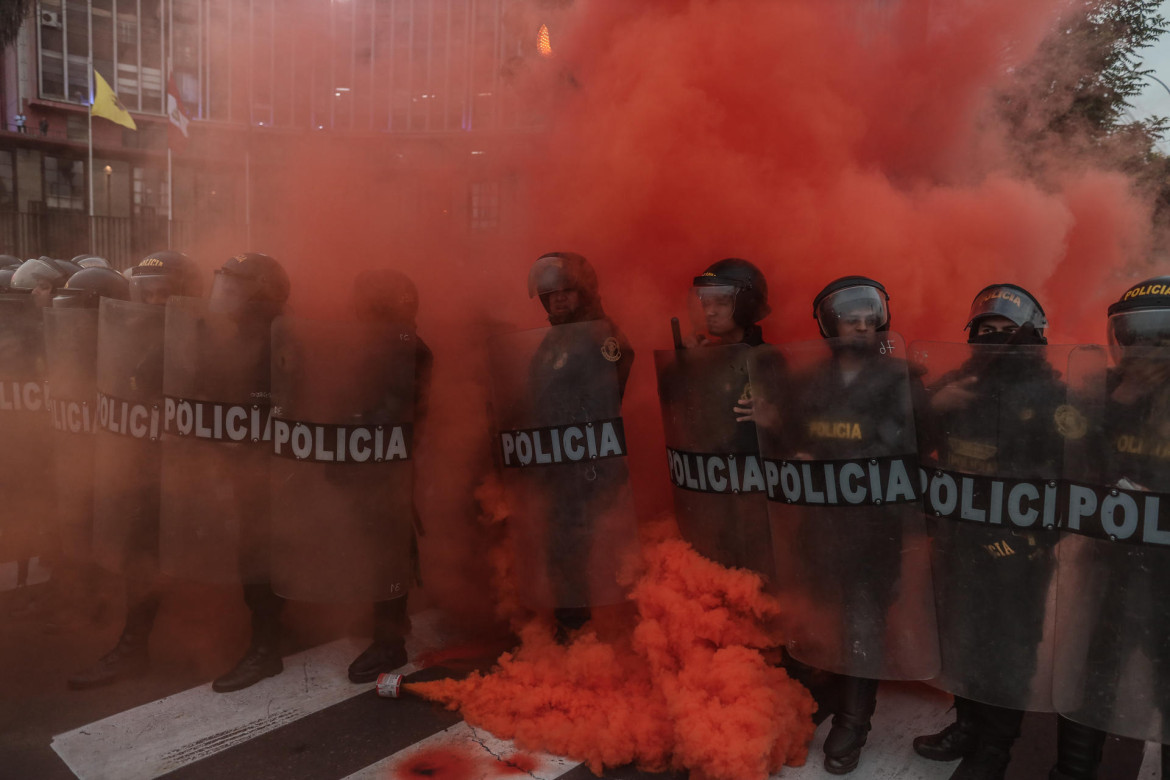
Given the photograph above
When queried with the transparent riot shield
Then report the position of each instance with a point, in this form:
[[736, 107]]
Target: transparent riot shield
[[1112, 667], [129, 424], [837, 436], [714, 461], [26, 467], [991, 451], [216, 444], [557, 404], [71, 358], [342, 479]]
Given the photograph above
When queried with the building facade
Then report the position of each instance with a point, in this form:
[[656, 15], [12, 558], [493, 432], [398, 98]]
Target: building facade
[[255, 76]]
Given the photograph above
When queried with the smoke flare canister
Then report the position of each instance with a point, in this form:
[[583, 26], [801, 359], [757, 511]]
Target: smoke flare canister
[[389, 685]]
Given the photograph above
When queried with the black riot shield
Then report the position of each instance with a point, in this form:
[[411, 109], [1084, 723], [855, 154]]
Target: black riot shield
[[342, 479], [991, 451], [563, 456], [1112, 667], [26, 469], [216, 444], [714, 462], [129, 424], [71, 336], [837, 436]]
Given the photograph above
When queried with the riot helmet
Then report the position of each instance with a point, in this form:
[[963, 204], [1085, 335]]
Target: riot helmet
[[1010, 302], [7, 261], [1141, 318], [41, 276], [385, 295], [87, 287], [851, 299], [163, 274], [565, 272], [251, 279], [6, 279], [736, 282]]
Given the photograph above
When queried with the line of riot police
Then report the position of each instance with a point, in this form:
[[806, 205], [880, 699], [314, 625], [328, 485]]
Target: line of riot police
[[985, 515]]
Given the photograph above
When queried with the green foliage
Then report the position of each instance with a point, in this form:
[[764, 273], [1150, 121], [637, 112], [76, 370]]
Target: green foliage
[[12, 14]]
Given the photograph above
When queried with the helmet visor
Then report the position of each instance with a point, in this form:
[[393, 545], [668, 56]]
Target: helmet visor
[[1141, 328], [231, 292], [712, 309], [861, 304], [1010, 304], [153, 288], [76, 299], [549, 275]]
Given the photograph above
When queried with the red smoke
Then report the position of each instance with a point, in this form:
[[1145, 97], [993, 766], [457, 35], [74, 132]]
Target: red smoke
[[815, 138], [689, 689]]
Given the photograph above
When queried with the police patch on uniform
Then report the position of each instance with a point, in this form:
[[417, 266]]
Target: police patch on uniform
[[611, 350], [1070, 423]]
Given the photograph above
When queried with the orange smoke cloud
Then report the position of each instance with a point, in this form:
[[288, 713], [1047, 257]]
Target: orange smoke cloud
[[689, 689]]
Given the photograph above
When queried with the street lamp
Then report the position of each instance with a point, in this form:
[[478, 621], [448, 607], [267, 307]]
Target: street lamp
[[109, 206]]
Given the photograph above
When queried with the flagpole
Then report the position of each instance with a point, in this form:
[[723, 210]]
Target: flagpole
[[170, 199], [89, 32], [170, 74], [248, 196]]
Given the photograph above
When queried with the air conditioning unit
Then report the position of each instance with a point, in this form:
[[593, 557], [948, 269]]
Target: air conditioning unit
[[50, 19]]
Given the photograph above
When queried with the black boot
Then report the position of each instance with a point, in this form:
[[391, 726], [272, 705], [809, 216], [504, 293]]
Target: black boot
[[388, 650], [129, 657], [956, 741], [381, 656], [850, 725], [998, 728], [263, 657], [1078, 751], [1166, 762], [825, 687]]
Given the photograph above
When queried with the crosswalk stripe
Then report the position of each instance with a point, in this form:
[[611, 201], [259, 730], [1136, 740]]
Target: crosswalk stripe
[[186, 727], [490, 757]]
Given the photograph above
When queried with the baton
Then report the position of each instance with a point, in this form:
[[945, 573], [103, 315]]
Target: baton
[[676, 332]]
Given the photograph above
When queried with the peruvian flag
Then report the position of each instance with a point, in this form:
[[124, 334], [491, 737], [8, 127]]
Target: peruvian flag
[[177, 134]]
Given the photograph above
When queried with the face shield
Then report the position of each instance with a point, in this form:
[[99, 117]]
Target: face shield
[[549, 275], [232, 293], [850, 309], [712, 309], [1144, 328], [1010, 304], [76, 299], [153, 289]]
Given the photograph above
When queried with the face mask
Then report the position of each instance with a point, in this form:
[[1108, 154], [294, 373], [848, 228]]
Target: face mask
[[1024, 337]]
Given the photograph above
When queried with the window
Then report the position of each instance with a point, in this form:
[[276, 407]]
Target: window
[[150, 192], [64, 183], [484, 206], [7, 182]]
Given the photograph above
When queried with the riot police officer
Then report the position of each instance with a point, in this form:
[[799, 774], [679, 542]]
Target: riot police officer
[[869, 394], [251, 289], [389, 296], [1124, 452], [132, 540], [564, 384], [995, 415]]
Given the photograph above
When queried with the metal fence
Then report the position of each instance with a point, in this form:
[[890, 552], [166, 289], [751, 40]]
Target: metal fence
[[123, 241]]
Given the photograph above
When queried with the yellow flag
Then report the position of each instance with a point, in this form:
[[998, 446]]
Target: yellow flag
[[106, 104]]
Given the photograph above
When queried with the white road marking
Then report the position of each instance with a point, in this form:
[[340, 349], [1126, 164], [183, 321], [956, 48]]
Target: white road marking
[[172, 732], [486, 755]]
